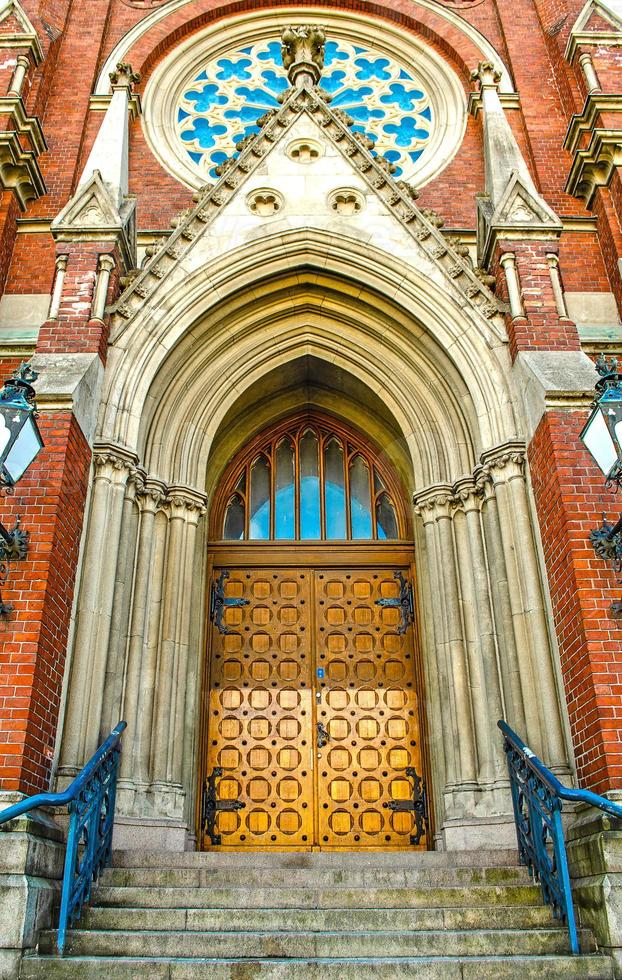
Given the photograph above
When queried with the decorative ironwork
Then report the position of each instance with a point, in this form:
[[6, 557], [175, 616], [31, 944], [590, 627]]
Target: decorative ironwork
[[417, 805], [220, 602], [90, 800], [607, 542], [322, 735], [211, 805], [537, 797], [404, 602]]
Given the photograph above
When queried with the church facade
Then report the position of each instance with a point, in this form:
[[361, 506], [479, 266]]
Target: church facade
[[314, 295]]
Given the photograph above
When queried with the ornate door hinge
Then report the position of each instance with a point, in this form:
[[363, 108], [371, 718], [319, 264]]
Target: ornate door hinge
[[322, 735], [417, 805], [219, 603], [405, 602], [210, 806]]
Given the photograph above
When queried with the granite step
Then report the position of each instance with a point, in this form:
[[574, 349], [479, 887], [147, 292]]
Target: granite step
[[316, 920], [311, 945], [592, 967]]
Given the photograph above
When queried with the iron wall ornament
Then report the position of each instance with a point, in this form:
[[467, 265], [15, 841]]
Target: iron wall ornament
[[417, 805], [219, 602], [404, 602], [211, 805]]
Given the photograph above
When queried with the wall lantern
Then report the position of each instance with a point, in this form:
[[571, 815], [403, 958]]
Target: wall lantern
[[20, 443], [602, 437]]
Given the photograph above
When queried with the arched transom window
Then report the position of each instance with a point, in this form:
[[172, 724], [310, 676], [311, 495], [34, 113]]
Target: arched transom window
[[310, 481]]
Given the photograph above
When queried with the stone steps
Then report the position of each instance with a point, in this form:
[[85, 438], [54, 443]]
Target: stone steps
[[426, 968], [315, 920], [303, 945], [313, 877], [345, 916]]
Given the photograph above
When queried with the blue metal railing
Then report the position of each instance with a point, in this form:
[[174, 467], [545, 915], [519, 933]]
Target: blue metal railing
[[538, 798], [90, 800]]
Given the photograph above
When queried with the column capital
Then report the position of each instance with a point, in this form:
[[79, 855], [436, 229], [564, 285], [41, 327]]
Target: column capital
[[109, 459], [468, 494], [504, 463], [186, 503], [434, 503]]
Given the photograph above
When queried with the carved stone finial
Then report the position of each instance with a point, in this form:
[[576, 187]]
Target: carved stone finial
[[303, 54], [487, 74], [124, 76]]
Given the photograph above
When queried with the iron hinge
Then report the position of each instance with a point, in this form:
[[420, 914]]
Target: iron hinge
[[405, 602], [417, 805], [219, 602], [210, 806]]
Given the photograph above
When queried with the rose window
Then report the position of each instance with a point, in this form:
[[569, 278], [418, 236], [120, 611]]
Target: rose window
[[223, 103]]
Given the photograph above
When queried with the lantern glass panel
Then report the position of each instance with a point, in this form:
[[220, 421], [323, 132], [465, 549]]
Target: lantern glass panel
[[24, 450], [598, 440], [611, 406]]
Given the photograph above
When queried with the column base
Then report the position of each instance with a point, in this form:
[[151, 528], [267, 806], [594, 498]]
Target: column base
[[32, 855], [594, 845], [151, 834]]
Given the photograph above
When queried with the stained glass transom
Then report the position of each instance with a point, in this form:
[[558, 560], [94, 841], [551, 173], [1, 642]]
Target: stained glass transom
[[222, 104], [308, 480]]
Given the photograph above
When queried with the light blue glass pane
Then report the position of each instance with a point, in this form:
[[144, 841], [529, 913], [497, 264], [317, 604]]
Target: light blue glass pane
[[310, 522], [234, 520], [335, 491], [386, 521], [284, 497], [360, 499], [259, 525]]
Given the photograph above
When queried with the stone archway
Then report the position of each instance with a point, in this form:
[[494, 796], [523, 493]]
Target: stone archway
[[176, 372]]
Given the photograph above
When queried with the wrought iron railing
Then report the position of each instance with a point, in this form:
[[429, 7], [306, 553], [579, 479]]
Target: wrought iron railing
[[90, 801], [538, 798]]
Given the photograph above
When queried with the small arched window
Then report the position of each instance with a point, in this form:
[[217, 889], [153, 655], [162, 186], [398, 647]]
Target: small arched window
[[310, 481]]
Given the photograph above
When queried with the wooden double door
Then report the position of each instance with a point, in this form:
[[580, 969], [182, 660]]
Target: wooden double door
[[312, 738]]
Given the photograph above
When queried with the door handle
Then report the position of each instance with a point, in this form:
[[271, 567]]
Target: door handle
[[322, 735]]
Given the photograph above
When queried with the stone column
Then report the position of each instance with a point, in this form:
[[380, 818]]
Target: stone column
[[485, 684], [435, 506], [184, 508], [140, 671], [112, 469], [543, 731]]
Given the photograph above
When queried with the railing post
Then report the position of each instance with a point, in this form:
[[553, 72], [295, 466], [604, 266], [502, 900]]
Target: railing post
[[71, 856], [559, 846]]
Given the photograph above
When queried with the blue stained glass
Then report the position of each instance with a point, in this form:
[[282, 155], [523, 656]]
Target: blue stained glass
[[271, 53], [310, 519], [334, 491], [284, 492], [401, 96], [332, 52], [206, 98], [276, 83], [223, 103], [203, 132], [372, 69], [360, 499], [406, 132], [259, 523], [233, 69]]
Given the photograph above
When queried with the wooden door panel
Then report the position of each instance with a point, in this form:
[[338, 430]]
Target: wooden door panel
[[260, 710], [369, 706]]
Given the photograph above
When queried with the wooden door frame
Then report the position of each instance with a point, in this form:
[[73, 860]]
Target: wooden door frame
[[319, 555]]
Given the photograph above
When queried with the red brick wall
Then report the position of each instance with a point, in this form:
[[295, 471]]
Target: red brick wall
[[571, 500], [50, 500]]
